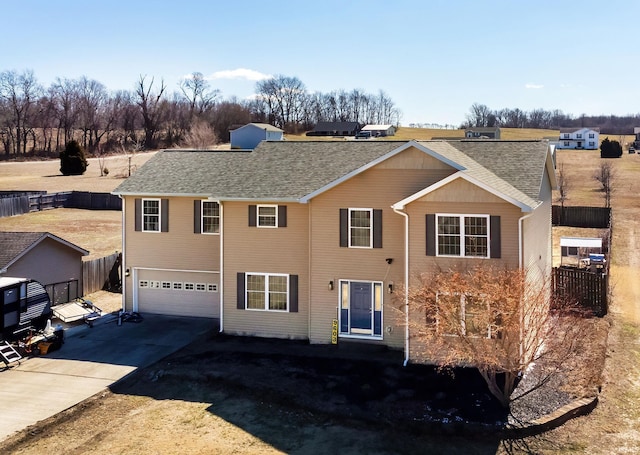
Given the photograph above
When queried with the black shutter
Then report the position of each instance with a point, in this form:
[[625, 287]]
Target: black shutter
[[377, 228], [495, 237], [138, 214], [431, 234], [253, 215], [164, 215], [293, 293], [344, 227], [282, 216], [197, 215], [240, 291]]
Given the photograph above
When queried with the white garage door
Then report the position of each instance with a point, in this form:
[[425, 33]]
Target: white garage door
[[178, 293]]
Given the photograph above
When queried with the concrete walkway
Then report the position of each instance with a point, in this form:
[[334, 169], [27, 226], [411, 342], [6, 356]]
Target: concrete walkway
[[90, 360]]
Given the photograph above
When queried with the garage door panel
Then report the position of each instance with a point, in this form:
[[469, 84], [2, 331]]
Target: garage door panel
[[179, 293]]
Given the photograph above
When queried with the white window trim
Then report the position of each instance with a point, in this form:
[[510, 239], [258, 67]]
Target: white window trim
[[461, 218], [373, 304], [202, 217], [266, 291], [142, 214], [370, 226], [258, 207]]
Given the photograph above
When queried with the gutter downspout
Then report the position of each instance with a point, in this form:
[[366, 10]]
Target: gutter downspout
[[123, 263], [520, 266], [406, 283], [221, 267]]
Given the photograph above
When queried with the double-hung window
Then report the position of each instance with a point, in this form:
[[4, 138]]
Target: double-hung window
[[267, 216], [267, 291], [151, 215], [210, 217], [360, 228], [467, 315], [463, 235]]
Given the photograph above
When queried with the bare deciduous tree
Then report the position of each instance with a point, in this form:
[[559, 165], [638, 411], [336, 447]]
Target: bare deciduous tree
[[201, 98], [20, 92], [495, 320], [151, 107], [605, 175], [563, 185], [201, 136]]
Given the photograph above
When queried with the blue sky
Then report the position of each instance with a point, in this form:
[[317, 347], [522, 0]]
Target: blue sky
[[434, 59]]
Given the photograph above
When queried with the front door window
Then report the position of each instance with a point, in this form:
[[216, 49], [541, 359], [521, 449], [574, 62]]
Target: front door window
[[361, 308]]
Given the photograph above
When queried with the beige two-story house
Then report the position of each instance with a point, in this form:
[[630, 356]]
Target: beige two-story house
[[309, 240]]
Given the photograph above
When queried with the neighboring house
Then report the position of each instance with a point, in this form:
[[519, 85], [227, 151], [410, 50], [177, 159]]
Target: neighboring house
[[636, 133], [335, 129], [293, 237], [579, 138], [482, 133], [250, 135], [46, 258], [380, 130]]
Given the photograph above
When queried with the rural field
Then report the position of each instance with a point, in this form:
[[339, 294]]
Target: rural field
[[189, 403]]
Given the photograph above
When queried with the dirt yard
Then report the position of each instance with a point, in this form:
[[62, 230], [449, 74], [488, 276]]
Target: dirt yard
[[206, 399]]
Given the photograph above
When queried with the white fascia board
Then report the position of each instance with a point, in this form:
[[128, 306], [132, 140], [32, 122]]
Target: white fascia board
[[209, 197], [400, 205], [377, 161], [45, 235]]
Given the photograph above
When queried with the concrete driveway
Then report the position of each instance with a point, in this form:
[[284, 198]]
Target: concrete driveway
[[90, 360]]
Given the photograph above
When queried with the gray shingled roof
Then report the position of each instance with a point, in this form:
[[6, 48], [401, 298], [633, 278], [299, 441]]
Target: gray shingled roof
[[292, 170], [520, 163], [14, 244]]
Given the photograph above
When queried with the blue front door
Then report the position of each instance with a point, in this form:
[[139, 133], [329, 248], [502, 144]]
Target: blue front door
[[361, 320]]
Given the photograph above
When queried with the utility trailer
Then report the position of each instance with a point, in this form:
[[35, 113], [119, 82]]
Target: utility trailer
[[79, 309]]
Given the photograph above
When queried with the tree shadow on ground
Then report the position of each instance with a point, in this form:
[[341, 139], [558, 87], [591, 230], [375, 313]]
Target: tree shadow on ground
[[280, 390]]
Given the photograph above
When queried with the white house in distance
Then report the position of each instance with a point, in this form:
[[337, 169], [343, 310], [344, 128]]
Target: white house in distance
[[380, 130], [579, 138], [250, 135]]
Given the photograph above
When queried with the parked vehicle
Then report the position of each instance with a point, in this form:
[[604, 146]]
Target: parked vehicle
[[24, 306], [363, 135], [632, 150]]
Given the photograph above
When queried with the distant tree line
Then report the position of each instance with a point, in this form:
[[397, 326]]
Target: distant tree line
[[482, 116], [38, 119]]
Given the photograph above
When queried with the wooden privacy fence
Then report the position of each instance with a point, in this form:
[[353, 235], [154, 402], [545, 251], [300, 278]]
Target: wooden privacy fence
[[584, 217], [10, 206], [101, 273], [588, 289], [19, 203]]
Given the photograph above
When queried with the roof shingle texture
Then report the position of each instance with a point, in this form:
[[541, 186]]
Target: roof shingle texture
[[12, 244], [287, 170]]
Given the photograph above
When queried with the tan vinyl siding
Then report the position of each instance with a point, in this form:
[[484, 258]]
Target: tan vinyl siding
[[420, 262], [377, 188], [266, 250], [414, 159], [49, 262], [178, 249], [470, 199]]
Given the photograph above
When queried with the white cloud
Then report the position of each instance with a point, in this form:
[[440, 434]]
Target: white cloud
[[533, 86], [240, 73]]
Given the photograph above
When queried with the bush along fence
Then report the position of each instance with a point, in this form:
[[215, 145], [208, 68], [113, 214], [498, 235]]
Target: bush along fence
[[25, 202], [102, 274]]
